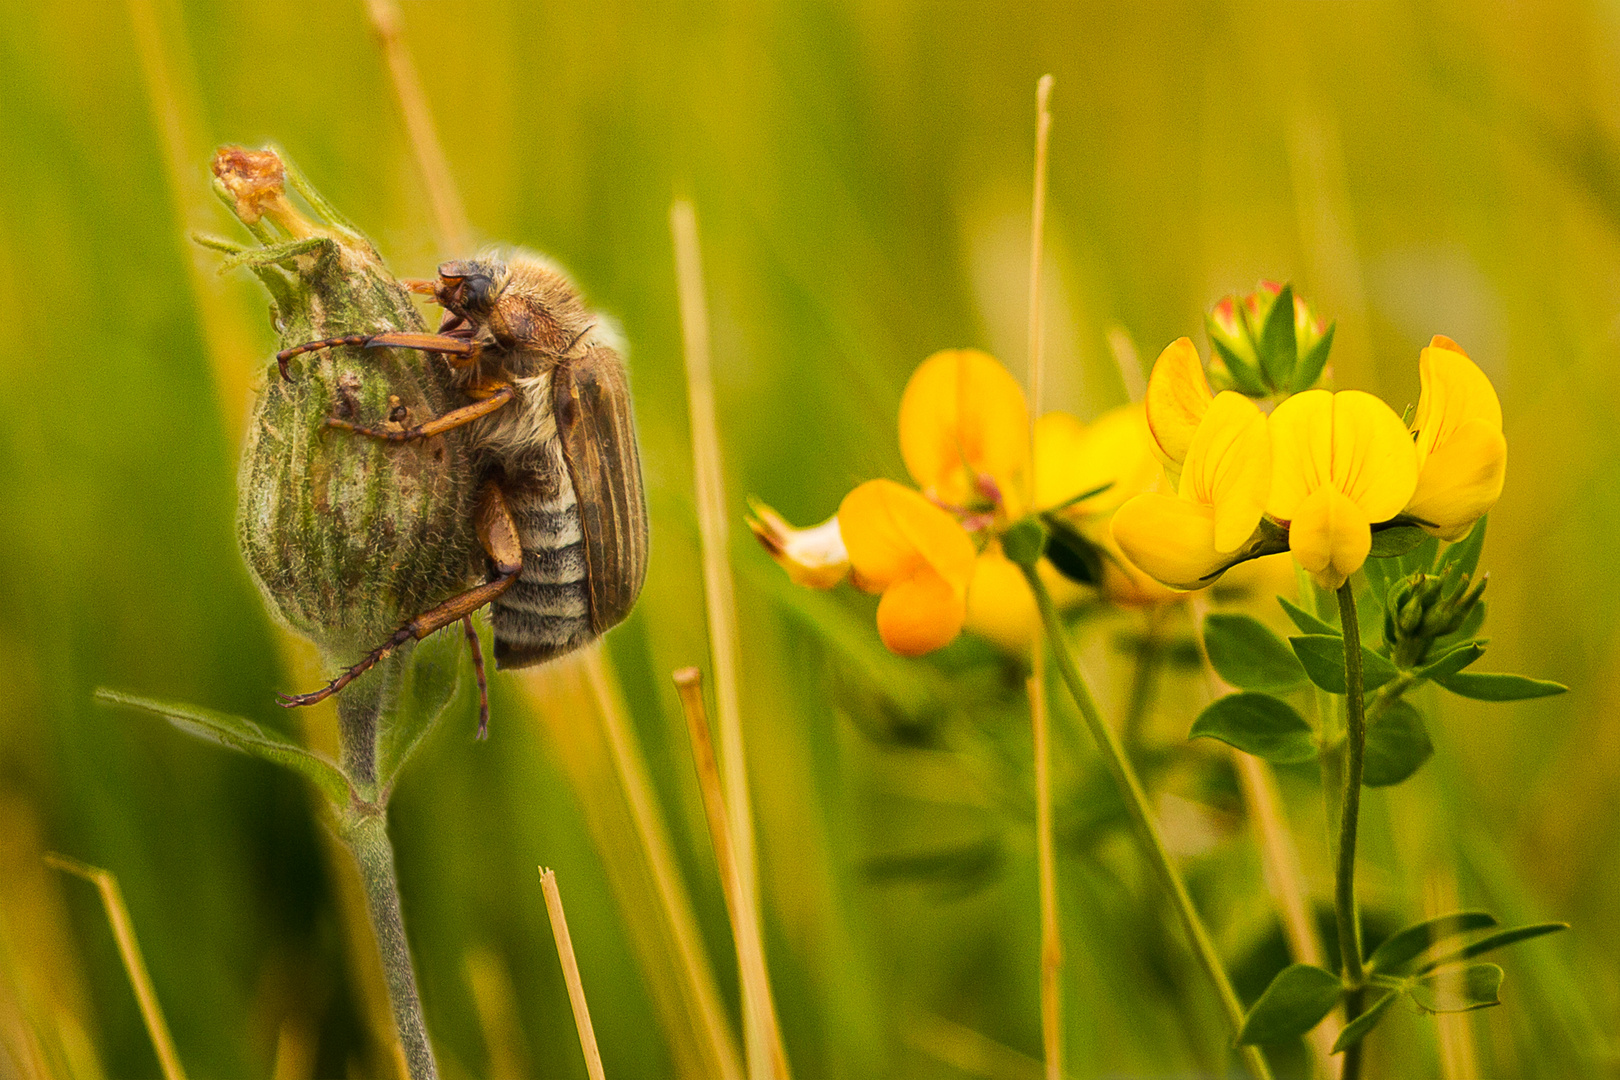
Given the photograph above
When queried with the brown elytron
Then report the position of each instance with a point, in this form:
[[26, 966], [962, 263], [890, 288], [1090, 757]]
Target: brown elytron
[[561, 513]]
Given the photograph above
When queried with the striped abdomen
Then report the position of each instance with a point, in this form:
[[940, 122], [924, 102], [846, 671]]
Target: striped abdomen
[[547, 611]]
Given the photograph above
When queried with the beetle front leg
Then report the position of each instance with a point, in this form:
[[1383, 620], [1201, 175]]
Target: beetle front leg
[[460, 350], [499, 393]]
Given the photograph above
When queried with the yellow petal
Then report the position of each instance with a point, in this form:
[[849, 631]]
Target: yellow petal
[[1228, 467], [1455, 391], [999, 604], [1178, 395], [1170, 538], [962, 416], [1072, 458], [1350, 441], [813, 557], [1330, 536], [920, 613], [1461, 481], [1301, 430], [891, 532]]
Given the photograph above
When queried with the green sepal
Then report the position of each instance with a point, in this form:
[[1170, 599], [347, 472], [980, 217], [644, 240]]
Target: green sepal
[[1475, 987], [1307, 623], [1397, 746], [1323, 658], [1452, 661], [1296, 1001], [1311, 364], [1074, 556], [1258, 724], [1357, 1029], [1024, 541], [1246, 653], [1493, 686], [1492, 942], [240, 733], [1404, 946], [1395, 542], [1244, 375], [432, 675], [1276, 344]]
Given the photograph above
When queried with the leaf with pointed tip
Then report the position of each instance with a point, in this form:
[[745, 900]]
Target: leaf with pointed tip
[[1307, 623], [1258, 724], [1357, 1029], [1311, 364], [1392, 543], [1492, 942], [1248, 655], [1323, 658], [1397, 746], [432, 675], [1419, 558], [1404, 946], [1464, 554], [1296, 1001], [1491, 686], [1458, 990], [1276, 343], [240, 733], [1453, 660]]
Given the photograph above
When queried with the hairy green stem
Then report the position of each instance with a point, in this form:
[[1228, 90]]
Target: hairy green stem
[[1344, 884], [363, 825], [1130, 789]]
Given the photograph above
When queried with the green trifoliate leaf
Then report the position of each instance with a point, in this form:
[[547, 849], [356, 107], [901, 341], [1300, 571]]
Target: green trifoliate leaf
[[1490, 686], [1323, 658], [1258, 724], [1453, 661], [1404, 946], [1276, 342], [1248, 655], [1458, 989], [1307, 623], [1392, 543], [240, 733], [1296, 1001], [1357, 1029], [1492, 942], [1397, 746]]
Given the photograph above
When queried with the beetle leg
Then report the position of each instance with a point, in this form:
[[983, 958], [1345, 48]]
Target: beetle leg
[[499, 394], [499, 535], [461, 350], [478, 670]]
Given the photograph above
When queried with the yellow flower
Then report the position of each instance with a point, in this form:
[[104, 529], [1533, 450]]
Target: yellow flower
[[1341, 463], [1178, 396], [1461, 454], [1185, 540], [815, 557], [964, 432]]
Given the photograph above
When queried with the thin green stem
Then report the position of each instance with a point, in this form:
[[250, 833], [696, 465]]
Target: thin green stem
[[1344, 886], [1130, 788]]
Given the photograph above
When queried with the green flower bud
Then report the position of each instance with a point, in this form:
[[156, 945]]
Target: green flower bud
[[1425, 607], [1261, 349], [348, 537]]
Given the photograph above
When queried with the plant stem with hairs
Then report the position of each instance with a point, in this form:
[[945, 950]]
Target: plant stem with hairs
[[1344, 881]]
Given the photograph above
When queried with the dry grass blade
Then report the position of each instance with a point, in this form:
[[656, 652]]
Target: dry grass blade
[[718, 591], [745, 928], [495, 999], [449, 215], [129, 950], [570, 966], [969, 1051]]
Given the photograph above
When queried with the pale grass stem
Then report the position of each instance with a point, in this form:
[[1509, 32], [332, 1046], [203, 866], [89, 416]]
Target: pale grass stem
[[129, 950], [1051, 935], [570, 966], [1459, 1060], [495, 1000], [745, 928], [718, 588], [1279, 857], [1122, 347], [969, 1051], [449, 215]]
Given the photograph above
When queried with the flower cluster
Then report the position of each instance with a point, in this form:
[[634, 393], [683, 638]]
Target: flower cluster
[[1316, 477], [934, 551]]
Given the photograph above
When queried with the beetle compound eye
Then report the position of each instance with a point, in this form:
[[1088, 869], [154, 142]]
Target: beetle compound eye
[[475, 293]]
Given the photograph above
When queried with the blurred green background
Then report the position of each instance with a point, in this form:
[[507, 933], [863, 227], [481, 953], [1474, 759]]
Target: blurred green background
[[861, 174]]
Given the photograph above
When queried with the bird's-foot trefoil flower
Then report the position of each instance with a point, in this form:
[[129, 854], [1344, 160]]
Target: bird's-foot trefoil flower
[[1457, 434]]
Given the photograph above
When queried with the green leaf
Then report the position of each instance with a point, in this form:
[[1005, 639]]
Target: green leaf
[[1357, 1029], [240, 733], [1458, 990], [1296, 1001], [1391, 543], [1276, 343], [1380, 575], [1453, 660], [1243, 372], [1075, 557], [1492, 942], [1490, 686], [1464, 554], [1419, 558], [1311, 364], [1323, 658], [1258, 724], [1397, 746], [432, 674], [1248, 655], [1307, 623], [1404, 946]]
